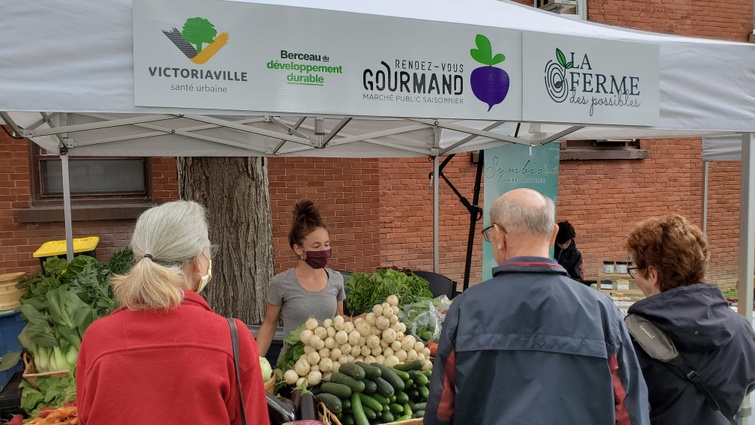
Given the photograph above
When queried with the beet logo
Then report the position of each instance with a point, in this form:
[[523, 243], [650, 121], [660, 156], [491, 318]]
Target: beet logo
[[489, 83], [555, 77]]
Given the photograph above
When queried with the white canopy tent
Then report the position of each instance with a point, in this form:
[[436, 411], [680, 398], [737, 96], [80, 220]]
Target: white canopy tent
[[68, 83]]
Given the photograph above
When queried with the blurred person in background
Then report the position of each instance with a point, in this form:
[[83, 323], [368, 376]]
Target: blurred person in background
[[566, 252]]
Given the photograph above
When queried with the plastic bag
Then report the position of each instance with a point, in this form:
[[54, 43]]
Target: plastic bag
[[424, 319]]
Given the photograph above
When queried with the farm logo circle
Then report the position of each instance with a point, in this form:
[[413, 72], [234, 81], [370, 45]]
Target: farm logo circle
[[555, 77], [490, 84], [197, 32]]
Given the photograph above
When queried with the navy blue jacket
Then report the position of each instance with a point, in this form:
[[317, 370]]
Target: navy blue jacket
[[532, 346], [712, 339]]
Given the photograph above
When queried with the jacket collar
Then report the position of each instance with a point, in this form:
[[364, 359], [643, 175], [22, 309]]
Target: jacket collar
[[529, 265], [191, 297]]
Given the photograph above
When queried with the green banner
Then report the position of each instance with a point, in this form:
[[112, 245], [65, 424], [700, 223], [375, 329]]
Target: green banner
[[513, 166]]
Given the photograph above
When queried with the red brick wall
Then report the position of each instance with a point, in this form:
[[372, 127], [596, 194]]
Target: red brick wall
[[18, 241], [345, 190], [723, 221]]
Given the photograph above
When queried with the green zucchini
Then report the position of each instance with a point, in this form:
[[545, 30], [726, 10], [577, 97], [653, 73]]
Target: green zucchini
[[418, 377], [389, 375], [338, 390], [370, 371], [401, 374], [412, 365], [370, 402], [332, 402], [386, 416], [396, 409], [369, 413], [424, 392], [370, 387], [358, 410], [356, 386], [352, 370], [382, 400], [384, 388]]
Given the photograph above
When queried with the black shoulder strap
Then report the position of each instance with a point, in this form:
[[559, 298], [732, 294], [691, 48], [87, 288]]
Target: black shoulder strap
[[659, 346], [235, 341]]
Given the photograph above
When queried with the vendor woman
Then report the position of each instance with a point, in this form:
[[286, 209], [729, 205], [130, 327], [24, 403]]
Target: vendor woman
[[310, 288]]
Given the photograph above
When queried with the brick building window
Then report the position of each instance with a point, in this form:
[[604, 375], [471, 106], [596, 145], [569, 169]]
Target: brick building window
[[95, 179], [590, 150]]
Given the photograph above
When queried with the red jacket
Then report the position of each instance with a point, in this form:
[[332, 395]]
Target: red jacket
[[156, 367]]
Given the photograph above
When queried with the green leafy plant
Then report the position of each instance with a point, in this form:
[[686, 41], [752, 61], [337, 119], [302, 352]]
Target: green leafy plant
[[484, 52], [364, 290]]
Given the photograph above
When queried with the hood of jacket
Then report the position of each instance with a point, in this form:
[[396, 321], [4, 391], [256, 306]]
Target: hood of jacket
[[695, 317]]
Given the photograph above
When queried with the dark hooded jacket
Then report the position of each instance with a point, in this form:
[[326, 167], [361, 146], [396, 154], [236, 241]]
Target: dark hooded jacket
[[570, 259], [713, 340]]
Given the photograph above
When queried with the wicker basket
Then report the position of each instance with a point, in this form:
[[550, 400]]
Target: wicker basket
[[31, 375], [10, 295], [270, 385], [328, 418]]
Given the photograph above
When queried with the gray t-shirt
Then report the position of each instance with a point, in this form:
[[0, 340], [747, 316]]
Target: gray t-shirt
[[298, 304]]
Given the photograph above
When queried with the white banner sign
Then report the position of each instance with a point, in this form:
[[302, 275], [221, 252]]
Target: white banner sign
[[591, 81], [281, 59]]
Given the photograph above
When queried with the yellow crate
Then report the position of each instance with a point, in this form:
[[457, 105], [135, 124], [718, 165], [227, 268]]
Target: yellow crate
[[52, 248]]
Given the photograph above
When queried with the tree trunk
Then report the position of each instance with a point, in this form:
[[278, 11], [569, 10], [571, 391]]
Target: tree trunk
[[235, 193]]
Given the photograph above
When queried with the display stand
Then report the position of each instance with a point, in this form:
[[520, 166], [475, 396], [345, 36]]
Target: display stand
[[621, 288]]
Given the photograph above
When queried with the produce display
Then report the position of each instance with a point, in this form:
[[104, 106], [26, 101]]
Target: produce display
[[368, 371], [61, 301], [362, 394], [368, 289]]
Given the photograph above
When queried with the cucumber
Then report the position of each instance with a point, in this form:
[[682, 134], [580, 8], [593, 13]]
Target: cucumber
[[396, 409], [352, 370], [332, 402], [386, 416], [370, 402], [346, 402], [384, 388], [358, 411], [340, 378], [418, 377], [403, 418], [424, 392], [370, 387], [412, 365], [382, 400], [389, 375], [370, 371], [413, 394], [407, 409], [417, 406], [419, 414], [401, 374], [338, 390], [369, 413], [409, 383], [402, 397], [428, 373], [348, 420]]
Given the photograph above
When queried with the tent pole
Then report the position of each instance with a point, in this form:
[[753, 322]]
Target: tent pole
[[436, 202], [746, 242], [705, 196], [67, 203]]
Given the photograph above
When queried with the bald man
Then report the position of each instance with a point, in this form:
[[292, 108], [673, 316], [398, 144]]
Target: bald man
[[531, 345]]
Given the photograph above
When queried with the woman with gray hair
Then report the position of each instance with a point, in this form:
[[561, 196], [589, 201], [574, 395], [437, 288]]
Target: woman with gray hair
[[165, 356]]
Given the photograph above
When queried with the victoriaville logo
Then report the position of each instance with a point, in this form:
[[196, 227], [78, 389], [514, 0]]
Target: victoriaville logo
[[490, 84], [195, 34]]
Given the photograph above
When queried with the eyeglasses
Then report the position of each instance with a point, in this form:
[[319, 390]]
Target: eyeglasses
[[214, 250], [486, 231], [633, 271]]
